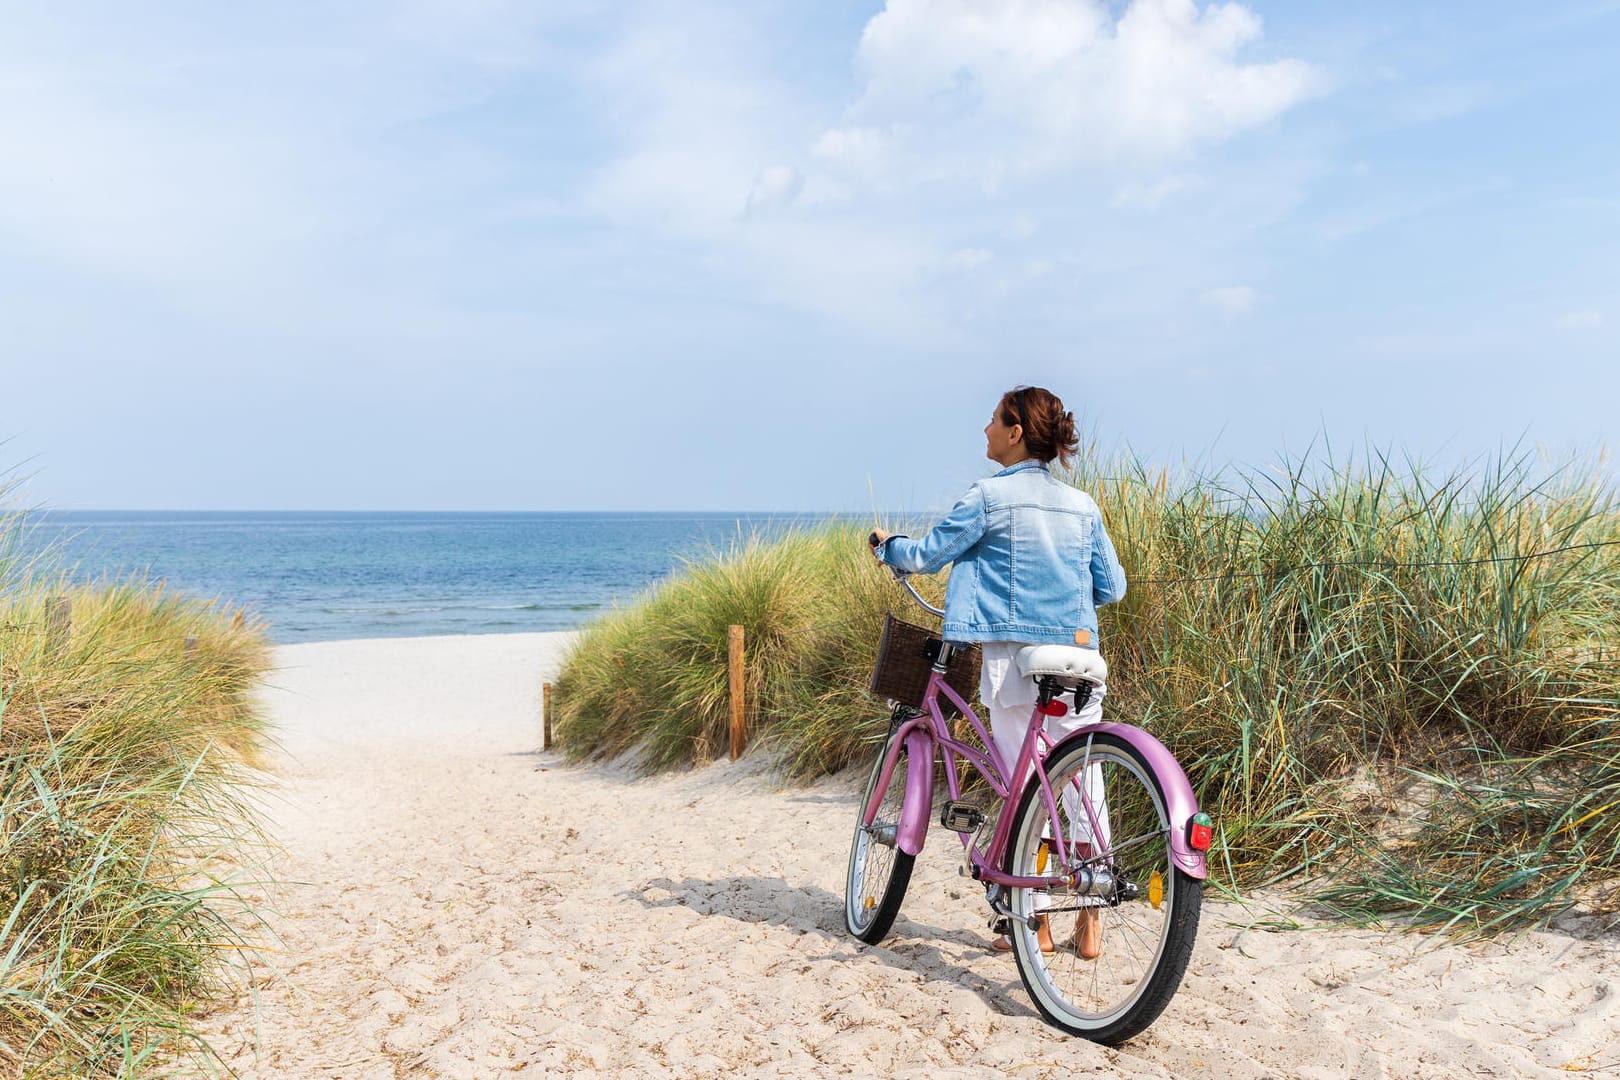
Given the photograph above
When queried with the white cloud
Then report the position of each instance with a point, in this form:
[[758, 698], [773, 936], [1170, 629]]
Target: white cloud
[[1014, 122], [871, 278], [249, 165], [859, 149], [775, 187], [1021, 87], [702, 130], [1140, 196], [968, 258], [1232, 299], [689, 161], [1580, 320], [1021, 227]]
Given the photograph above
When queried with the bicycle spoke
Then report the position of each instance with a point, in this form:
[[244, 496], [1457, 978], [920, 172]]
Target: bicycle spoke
[[1125, 845]]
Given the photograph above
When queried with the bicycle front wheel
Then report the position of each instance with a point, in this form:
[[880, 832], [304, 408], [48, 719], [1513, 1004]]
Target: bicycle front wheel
[[1122, 944], [878, 870]]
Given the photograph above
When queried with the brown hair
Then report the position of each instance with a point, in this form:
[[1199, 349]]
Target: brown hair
[[1048, 429]]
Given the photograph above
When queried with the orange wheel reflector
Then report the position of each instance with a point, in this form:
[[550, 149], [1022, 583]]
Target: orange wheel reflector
[[1156, 890], [871, 902]]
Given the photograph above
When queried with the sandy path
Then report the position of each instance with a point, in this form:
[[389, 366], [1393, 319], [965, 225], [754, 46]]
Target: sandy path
[[471, 908]]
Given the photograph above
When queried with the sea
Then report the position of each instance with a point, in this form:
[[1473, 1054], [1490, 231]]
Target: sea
[[328, 576]]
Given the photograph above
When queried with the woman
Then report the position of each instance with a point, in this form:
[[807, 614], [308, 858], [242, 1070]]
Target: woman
[[1031, 563]]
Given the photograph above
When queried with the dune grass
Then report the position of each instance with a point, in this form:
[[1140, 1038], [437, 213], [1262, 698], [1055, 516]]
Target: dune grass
[[1400, 687], [1408, 680], [123, 759], [652, 676]]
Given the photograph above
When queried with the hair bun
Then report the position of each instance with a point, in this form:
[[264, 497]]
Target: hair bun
[[1048, 428]]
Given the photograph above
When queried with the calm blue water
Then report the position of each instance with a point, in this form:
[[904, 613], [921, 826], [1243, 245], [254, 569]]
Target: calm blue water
[[325, 576]]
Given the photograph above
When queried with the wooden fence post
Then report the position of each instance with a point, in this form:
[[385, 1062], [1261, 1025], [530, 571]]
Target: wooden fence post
[[734, 673], [58, 623], [545, 717]]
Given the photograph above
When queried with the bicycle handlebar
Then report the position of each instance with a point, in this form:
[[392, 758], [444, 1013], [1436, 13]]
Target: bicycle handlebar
[[905, 581]]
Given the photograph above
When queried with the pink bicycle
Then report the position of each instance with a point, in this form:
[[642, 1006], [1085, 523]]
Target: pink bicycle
[[1094, 865]]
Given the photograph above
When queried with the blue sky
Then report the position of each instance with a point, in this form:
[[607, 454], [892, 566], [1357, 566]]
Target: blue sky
[[487, 255]]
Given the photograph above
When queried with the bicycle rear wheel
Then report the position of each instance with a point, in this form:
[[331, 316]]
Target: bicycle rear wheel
[[878, 870], [1146, 916]]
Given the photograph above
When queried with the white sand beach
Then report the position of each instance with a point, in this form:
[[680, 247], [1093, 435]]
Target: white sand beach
[[458, 904]]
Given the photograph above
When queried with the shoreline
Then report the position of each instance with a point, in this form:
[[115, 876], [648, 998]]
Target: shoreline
[[422, 637], [574, 631]]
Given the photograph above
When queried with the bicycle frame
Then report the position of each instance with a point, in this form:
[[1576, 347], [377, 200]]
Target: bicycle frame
[[924, 733]]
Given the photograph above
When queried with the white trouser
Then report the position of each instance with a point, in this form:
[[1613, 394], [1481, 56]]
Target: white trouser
[[1010, 698]]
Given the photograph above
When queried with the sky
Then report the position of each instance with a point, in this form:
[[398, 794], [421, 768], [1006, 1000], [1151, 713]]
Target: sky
[[479, 255]]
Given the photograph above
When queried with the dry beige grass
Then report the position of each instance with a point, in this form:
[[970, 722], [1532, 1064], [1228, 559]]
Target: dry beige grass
[[122, 758]]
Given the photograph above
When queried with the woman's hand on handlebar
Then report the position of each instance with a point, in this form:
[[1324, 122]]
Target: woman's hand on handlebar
[[876, 538]]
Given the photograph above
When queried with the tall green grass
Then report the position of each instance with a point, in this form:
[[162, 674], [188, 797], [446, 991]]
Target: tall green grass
[[1407, 679], [123, 762], [1398, 685], [652, 676]]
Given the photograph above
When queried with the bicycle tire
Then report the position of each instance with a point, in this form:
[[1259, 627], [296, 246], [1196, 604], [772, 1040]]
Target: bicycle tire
[[1145, 947], [878, 870]]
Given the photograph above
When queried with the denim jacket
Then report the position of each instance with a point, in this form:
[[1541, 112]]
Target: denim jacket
[[1032, 560]]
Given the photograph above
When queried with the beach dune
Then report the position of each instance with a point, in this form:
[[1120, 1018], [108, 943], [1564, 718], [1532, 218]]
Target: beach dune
[[456, 903]]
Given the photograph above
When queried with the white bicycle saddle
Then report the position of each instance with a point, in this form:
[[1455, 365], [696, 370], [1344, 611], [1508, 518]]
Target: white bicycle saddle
[[1067, 662]]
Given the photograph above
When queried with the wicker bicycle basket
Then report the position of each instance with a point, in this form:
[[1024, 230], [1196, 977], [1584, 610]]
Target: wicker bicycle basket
[[905, 659]]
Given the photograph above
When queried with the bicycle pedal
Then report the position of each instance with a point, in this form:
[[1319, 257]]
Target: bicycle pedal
[[961, 817], [1000, 924]]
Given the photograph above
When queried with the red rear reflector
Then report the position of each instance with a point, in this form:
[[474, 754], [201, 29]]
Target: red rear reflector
[[1054, 708], [1200, 832]]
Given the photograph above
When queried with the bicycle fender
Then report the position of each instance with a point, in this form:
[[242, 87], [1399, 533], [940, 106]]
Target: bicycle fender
[[1179, 801], [919, 805]]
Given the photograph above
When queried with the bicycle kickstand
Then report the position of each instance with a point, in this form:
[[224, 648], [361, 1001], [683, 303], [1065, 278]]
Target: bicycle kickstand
[[1001, 922]]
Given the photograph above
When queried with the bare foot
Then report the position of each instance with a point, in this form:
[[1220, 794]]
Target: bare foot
[[1088, 935], [1043, 935]]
